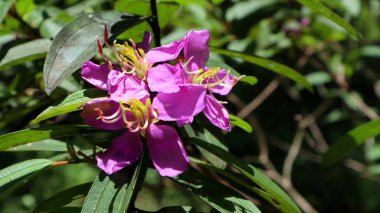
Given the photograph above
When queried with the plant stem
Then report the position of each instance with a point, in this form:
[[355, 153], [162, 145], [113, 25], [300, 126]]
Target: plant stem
[[154, 24]]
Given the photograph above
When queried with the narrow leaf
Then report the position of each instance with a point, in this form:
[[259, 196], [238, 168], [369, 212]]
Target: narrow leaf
[[285, 203], [107, 194], [318, 7], [251, 80], [44, 145], [28, 51], [38, 134], [18, 174], [240, 123], [268, 64], [69, 104], [217, 195], [5, 5], [63, 198], [350, 141], [77, 43]]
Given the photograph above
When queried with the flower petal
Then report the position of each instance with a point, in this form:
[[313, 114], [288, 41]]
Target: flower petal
[[162, 78], [182, 123], [145, 43], [95, 74], [226, 85], [166, 149], [125, 87], [165, 53], [125, 150], [107, 107], [216, 113], [196, 46], [182, 105]]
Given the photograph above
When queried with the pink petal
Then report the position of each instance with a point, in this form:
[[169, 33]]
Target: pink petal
[[196, 46], [109, 107], [125, 87], [145, 43], [166, 149], [226, 85], [181, 123], [95, 74], [216, 113], [162, 78], [165, 53], [182, 105], [125, 150]]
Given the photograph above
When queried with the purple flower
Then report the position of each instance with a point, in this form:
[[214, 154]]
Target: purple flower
[[184, 90]]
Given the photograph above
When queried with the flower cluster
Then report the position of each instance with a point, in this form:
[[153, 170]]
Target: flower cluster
[[149, 88]]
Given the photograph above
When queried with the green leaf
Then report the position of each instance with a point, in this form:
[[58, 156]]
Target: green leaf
[[28, 51], [44, 145], [217, 195], [70, 209], [268, 64], [77, 43], [69, 104], [107, 194], [208, 137], [5, 5], [318, 7], [63, 198], [240, 123], [18, 174], [37, 134], [285, 203], [251, 80], [350, 141]]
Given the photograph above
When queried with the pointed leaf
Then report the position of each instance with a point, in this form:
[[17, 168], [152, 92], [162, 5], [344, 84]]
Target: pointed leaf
[[285, 203], [350, 141], [37, 134], [64, 197], [44, 145], [71, 103], [18, 174], [77, 43], [318, 7], [28, 51], [217, 195], [240, 123], [268, 64], [5, 5]]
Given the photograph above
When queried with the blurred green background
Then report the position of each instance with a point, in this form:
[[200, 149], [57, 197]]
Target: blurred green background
[[342, 70]]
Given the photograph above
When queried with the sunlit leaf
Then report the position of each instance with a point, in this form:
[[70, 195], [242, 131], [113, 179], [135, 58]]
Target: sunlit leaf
[[44, 145], [318, 7], [350, 141], [69, 104], [217, 195], [28, 51], [268, 64], [285, 203], [18, 174], [64, 197], [240, 123], [5, 5], [77, 43], [37, 134]]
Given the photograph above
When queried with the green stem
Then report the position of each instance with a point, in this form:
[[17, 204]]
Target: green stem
[[154, 24]]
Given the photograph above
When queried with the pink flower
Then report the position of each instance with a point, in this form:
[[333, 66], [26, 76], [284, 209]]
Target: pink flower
[[184, 90]]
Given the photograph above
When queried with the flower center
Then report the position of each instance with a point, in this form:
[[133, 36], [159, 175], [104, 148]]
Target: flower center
[[137, 116], [132, 59]]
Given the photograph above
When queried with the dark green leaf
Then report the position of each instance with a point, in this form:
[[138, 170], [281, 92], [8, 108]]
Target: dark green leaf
[[69, 104], [28, 51], [318, 7], [350, 141], [77, 43], [268, 64], [18, 174], [64, 197], [107, 194], [217, 195], [285, 203], [44, 145], [5, 5], [240, 123], [65, 210], [38, 134]]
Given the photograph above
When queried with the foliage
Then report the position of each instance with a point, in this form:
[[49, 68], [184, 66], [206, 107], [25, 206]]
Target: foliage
[[304, 112]]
